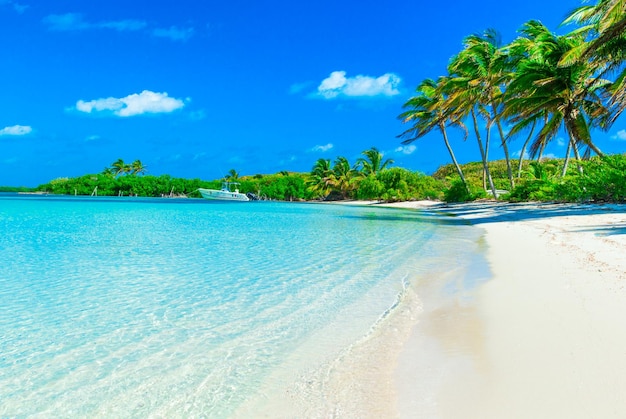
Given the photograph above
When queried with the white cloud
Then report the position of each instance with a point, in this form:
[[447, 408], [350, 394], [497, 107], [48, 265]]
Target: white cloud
[[621, 135], [174, 33], [407, 149], [560, 142], [337, 84], [16, 130], [323, 148], [131, 105]]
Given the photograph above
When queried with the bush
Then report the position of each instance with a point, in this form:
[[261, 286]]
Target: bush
[[458, 192], [533, 190], [370, 188], [402, 185]]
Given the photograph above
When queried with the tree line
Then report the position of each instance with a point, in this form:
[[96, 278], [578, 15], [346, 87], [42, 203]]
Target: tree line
[[371, 177]]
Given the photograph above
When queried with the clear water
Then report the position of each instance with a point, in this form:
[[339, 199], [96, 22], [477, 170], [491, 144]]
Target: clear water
[[135, 308]]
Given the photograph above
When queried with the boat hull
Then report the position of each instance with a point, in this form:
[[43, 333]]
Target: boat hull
[[221, 195]]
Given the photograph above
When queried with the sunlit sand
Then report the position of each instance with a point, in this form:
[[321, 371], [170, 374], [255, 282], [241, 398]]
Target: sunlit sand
[[543, 338]]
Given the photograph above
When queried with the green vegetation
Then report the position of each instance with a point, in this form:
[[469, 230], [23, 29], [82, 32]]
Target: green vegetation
[[597, 179], [370, 178], [538, 85]]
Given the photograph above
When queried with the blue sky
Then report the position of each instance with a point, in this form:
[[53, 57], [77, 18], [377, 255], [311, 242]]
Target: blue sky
[[195, 88]]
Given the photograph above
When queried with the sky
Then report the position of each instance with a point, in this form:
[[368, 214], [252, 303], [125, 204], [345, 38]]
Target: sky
[[196, 88]]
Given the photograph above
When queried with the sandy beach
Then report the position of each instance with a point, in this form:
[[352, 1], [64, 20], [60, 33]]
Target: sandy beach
[[545, 337]]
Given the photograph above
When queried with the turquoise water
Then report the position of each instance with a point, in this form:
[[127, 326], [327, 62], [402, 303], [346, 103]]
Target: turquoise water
[[132, 308]]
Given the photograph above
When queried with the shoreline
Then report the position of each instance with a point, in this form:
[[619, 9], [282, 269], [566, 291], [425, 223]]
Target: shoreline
[[546, 334]]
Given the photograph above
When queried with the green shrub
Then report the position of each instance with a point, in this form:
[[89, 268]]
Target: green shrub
[[370, 188], [458, 192], [533, 190]]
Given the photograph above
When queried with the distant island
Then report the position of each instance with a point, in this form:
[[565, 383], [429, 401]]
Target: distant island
[[596, 179]]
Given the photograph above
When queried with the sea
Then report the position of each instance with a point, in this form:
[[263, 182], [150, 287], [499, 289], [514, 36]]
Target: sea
[[133, 307]]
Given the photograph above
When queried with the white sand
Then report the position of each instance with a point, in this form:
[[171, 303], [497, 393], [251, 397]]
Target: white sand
[[545, 338]]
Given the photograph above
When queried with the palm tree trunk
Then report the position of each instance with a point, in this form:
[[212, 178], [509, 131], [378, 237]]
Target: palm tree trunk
[[505, 148], [541, 150], [442, 127], [483, 154], [521, 156], [595, 149], [487, 141], [577, 156], [566, 162]]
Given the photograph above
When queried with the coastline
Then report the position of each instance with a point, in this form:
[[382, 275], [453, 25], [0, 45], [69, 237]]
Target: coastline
[[545, 337]]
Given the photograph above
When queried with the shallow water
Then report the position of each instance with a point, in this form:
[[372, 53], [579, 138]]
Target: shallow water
[[136, 307]]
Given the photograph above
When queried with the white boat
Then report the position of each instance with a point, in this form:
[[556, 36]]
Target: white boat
[[224, 194]]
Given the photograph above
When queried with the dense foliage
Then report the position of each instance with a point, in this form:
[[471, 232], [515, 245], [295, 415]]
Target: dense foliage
[[603, 179], [370, 179], [598, 179], [542, 87]]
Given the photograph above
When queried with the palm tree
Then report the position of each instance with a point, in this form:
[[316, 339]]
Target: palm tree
[[568, 97], [321, 176], [137, 168], [232, 175], [486, 68], [427, 112], [343, 176], [373, 162], [523, 150], [463, 100], [109, 171], [119, 167], [604, 24]]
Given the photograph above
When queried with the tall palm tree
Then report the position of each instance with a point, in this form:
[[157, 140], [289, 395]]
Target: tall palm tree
[[464, 99], [137, 168], [232, 175], [120, 168], [604, 24], [426, 111], [570, 96], [322, 177], [109, 171], [343, 176], [486, 68], [373, 162], [523, 150]]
